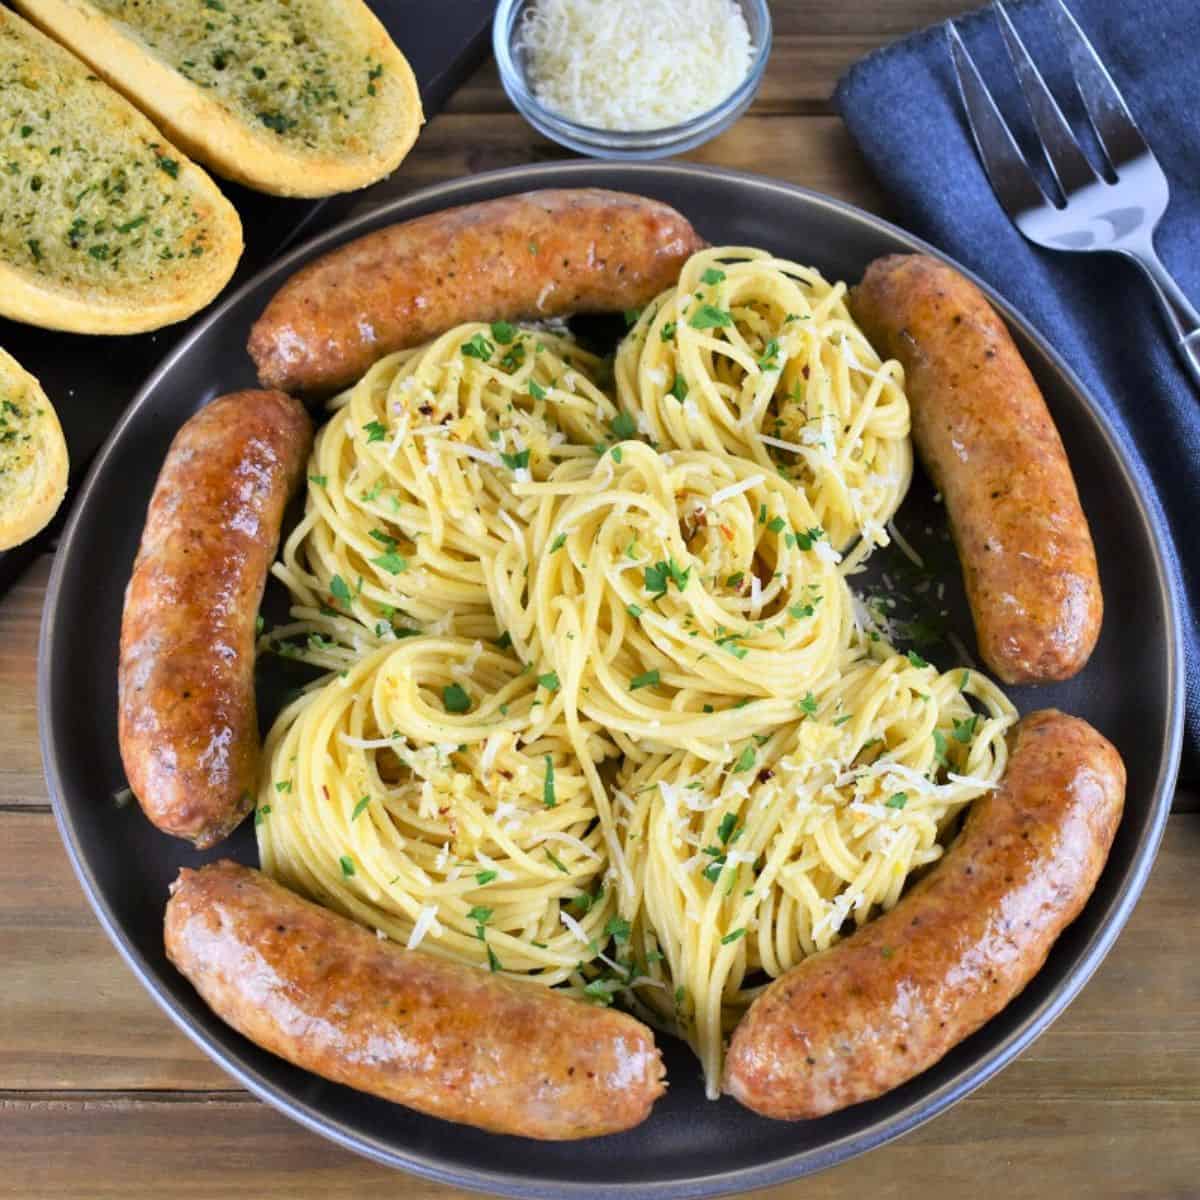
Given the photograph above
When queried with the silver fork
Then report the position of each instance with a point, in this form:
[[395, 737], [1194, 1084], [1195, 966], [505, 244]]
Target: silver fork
[[1089, 210]]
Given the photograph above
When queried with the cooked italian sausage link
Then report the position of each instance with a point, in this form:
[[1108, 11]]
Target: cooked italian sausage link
[[528, 257], [446, 1039], [870, 1013], [991, 448], [188, 727]]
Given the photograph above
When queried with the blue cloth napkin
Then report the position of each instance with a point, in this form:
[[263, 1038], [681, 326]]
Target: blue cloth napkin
[[901, 105]]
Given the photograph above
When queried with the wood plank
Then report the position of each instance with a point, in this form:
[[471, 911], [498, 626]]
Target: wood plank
[[21, 780], [816, 152], [93, 1148], [814, 44], [1134, 1033], [73, 1015]]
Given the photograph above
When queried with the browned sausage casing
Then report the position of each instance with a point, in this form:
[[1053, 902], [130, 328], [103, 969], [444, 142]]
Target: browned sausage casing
[[528, 257], [868, 1014], [447, 1039], [188, 727], [990, 446]]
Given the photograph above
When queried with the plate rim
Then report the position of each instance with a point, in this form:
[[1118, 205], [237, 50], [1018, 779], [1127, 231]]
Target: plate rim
[[775, 1171]]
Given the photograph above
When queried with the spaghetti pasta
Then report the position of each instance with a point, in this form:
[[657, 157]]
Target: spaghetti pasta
[[758, 357], [600, 708], [744, 868], [420, 796]]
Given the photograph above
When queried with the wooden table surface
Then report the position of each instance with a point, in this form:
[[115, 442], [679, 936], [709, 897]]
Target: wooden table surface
[[101, 1096]]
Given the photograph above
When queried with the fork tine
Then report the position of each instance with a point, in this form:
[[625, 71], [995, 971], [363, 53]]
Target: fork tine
[[1067, 162], [1012, 180], [1115, 128]]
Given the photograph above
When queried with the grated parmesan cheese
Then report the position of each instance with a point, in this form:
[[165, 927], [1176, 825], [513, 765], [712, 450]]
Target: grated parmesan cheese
[[426, 922], [735, 489], [628, 65], [574, 926]]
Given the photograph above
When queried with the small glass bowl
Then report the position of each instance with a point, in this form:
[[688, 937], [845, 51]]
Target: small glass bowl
[[628, 144]]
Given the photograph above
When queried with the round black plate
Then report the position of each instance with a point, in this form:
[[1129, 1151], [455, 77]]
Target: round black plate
[[690, 1147]]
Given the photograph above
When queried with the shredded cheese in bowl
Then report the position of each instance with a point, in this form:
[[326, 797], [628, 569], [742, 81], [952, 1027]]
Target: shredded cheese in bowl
[[633, 64]]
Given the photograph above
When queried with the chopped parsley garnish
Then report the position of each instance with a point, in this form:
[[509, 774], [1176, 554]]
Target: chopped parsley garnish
[[536, 390], [633, 611], [515, 462], [360, 808], [770, 357], [623, 425], [631, 317], [713, 276], [656, 577], [551, 856], [745, 760], [275, 121], [478, 347], [805, 540], [726, 828], [800, 611], [549, 681], [602, 989], [341, 593], [548, 798], [776, 524], [375, 432], [481, 916], [503, 332], [964, 680], [347, 865], [916, 660], [939, 746], [964, 731], [455, 698], [283, 785], [485, 877], [319, 480], [617, 928], [808, 704], [899, 800], [667, 333], [679, 388], [261, 813], [732, 937], [393, 563], [649, 679], [729, 643], [169, 165], [494, 964], [709, 317], [558, 543]]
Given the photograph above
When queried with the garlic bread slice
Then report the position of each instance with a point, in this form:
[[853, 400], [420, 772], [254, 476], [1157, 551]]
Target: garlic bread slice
[[104, 226], [33, 456], [294, 97]]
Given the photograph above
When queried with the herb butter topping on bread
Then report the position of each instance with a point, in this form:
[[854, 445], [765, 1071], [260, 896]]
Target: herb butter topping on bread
[[296, 97], [33, 456], [104, 226]]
